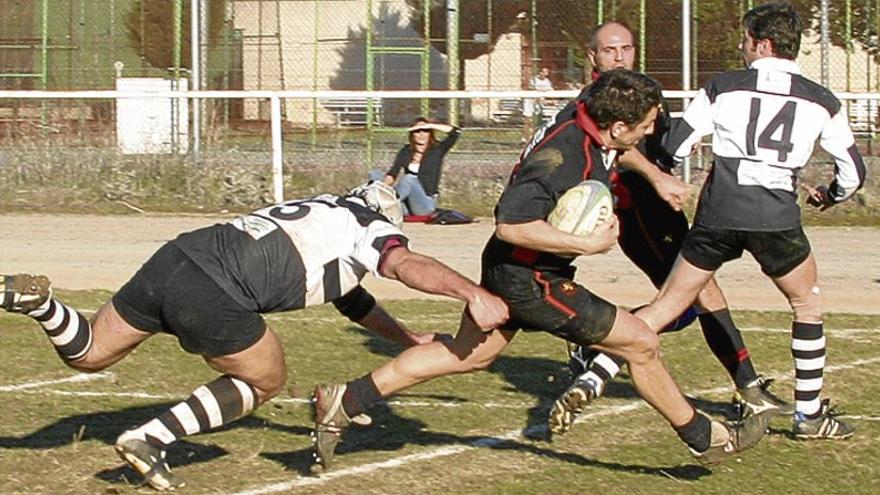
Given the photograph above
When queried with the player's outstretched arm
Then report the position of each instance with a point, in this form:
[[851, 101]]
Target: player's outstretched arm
[[669, 187], [429, 275], [380, 321], [361, 307], [685, 133]]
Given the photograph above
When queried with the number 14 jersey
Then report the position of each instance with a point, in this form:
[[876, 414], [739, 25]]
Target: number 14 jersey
[[764, 123]]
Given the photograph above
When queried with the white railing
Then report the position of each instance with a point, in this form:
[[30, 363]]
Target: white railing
[[276, 98]]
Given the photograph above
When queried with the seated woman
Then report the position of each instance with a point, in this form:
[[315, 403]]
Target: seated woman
[[417, 166]]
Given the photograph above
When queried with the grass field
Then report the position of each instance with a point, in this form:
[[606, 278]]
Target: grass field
[[480, 433]]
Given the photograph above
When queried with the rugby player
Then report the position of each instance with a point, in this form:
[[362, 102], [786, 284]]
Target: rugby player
[[209, 288], [528, 263], [764, 123]]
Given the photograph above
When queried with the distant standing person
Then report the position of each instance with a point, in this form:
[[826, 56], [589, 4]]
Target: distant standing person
[[532, 106], [418, 166]]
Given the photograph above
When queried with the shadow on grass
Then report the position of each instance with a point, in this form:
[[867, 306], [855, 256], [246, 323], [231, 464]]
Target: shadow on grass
[[391, 432], [542, 378], [105, 426]]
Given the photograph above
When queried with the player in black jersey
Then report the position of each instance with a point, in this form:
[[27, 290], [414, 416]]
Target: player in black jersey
[[764, 123], [652, 228], [528, 263], [209, 288]]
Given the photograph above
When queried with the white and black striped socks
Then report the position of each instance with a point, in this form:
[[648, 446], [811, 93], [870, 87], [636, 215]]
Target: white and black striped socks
[[211, 405], [808, 351], [602, 369], [69, 331]]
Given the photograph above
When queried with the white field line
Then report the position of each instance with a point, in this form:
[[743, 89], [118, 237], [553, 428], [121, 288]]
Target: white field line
[[427, 455], [860, 418], [78, 378], [636, 404]]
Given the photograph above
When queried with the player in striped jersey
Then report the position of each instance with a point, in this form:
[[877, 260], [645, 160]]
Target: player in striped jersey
[[764, 122], [209, 288]]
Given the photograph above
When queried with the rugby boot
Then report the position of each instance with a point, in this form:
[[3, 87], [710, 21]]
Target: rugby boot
[[330, 422], [825, 426], [755, 398], [571, 404], [23, 292], [149, 461], [728, 439]]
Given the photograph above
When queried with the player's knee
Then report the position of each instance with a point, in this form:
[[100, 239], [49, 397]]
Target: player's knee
[[807, 307], [270, 385], [644, 348]]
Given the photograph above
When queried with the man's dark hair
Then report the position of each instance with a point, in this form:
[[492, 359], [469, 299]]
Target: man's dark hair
[[621, 95], [779, 23]]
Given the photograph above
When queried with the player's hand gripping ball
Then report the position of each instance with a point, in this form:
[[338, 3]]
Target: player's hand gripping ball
[[582, 208]]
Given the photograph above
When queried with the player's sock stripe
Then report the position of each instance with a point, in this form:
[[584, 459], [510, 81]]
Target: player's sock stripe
[[172, 423], [80, 344], [609, 364], [187, 419], [806, 346], [58, 323], [199, 413], [806, 331], [159, 431], [48, 315], [805, 374], [810, 364], [68, 331], [210, 405], [247, 394]]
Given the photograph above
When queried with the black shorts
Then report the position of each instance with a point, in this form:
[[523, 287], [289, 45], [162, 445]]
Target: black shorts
[[651, 232], [777, 252], [172, 294], [550, 302]]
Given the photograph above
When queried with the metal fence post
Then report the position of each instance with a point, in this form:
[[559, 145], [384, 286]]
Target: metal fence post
[[452, 52], [277, 151], [686, 71]]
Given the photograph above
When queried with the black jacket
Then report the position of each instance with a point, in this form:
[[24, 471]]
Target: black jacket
[[431, 165]]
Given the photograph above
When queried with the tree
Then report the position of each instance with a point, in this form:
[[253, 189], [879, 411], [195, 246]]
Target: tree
[[150, 25], [569, 23]]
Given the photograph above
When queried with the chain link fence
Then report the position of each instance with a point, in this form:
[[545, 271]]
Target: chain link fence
[[372, 44]]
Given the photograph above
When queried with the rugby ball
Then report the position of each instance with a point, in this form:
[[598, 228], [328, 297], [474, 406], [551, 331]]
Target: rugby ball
[[582, 208]]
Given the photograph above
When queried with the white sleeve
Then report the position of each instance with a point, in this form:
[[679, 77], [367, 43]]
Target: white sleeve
[[849, 168], [373, 244], [695, 123]]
